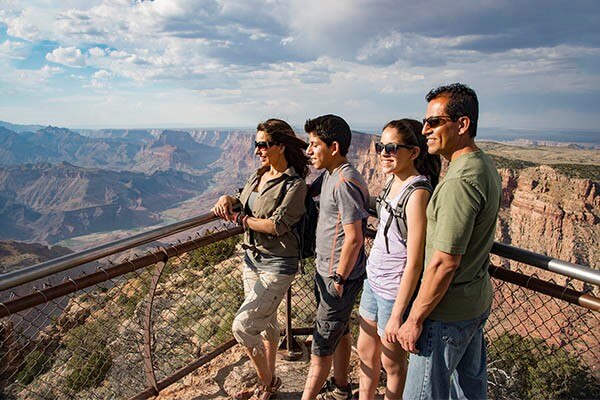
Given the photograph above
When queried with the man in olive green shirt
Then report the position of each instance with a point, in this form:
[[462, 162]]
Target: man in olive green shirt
[[444, 330]]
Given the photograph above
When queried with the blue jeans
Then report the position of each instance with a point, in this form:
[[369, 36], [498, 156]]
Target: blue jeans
[[451, 363]]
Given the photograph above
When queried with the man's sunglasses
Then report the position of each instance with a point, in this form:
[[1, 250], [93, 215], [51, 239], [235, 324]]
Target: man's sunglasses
[[390, 148], [262, 145], [434, 122]]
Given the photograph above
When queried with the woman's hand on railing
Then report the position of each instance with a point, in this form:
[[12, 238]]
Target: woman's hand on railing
[[224, 207]]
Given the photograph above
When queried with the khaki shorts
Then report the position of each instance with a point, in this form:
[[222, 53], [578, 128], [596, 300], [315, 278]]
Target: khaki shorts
[[256, 320]]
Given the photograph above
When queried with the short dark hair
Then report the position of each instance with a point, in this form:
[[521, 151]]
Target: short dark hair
[[462, 103], [331, 128]]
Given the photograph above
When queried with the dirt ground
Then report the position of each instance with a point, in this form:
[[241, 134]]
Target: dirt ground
[[232, 371]]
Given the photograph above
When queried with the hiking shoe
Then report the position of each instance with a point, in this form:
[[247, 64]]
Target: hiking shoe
[[331, 391], [328, 386]]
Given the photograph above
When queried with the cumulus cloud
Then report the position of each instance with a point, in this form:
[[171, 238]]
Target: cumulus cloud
[[101, 78], [251, 51], [69, 56]]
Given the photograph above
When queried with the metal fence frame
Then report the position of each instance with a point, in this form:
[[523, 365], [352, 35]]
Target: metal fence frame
[[161, 256]]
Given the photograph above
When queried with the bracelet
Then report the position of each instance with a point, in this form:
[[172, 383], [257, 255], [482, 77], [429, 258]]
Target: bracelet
[[245, 222]]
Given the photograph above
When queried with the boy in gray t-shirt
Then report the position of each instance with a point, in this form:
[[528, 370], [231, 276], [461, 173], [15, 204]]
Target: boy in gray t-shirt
[[340, 259]]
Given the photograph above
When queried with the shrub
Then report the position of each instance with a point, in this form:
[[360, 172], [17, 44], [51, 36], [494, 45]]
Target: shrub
[[580, 171], [36, 363], [508, 163], [90, 358], [90, 370], [213, 253], [533, 369]]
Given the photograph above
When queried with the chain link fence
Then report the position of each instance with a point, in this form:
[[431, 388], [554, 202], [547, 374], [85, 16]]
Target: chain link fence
[[154, 318]]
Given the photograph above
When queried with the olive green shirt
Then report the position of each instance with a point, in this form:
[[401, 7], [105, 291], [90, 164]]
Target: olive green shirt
[[461, 219], [284, 215]]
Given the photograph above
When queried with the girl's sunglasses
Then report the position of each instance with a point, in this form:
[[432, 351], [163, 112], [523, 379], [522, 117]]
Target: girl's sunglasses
[[264, 145], [390, 148]]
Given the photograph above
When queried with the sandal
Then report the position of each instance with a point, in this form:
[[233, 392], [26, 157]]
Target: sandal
[[260, 391], [244, 394], [263, 392]]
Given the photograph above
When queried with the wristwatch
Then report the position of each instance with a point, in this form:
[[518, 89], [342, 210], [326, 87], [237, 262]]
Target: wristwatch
[[337, 278]]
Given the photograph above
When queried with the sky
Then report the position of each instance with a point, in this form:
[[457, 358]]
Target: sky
[[174, 63]]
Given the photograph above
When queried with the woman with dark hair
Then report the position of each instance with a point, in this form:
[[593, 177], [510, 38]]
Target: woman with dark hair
[[272, 203], [396, 258]]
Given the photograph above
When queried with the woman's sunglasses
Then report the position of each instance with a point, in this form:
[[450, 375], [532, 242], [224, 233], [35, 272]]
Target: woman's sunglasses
[[390, 148], [262, 145]]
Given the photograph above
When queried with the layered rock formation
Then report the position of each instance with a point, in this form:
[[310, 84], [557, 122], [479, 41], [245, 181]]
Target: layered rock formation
[[48, 203], [550, 213]]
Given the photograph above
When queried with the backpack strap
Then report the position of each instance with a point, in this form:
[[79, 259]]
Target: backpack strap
[[384, 193], [399, 213]]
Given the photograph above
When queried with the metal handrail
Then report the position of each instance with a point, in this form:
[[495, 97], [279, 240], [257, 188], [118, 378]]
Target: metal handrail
[[47, 268], [576, 271]]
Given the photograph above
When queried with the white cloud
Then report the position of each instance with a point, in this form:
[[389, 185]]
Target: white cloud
[[263, 56], [27, 81], [69, 56], [13, 50], [101, 78], [23, 26]]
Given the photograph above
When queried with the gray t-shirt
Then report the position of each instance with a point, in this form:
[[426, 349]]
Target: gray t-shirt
[[344, 200]]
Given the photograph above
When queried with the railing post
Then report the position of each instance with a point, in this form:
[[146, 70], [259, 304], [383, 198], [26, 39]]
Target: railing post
[[294, 351], [147, 348]]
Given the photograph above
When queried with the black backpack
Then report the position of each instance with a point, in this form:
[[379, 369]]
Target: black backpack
[[399, 213], [305, 229]]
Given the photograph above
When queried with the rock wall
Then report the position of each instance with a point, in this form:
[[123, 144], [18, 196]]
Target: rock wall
[[550, 213]]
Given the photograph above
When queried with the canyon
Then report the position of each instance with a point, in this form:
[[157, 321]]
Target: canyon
[[57, 184]]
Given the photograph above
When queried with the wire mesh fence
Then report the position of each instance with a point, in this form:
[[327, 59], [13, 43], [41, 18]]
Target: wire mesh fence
[[120, 337]]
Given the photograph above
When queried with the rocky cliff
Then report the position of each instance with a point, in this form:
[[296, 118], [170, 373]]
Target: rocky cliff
[[48, 203], [549, 212]]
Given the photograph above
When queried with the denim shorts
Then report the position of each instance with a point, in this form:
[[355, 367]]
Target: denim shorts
[[375, 308], [332, 321]]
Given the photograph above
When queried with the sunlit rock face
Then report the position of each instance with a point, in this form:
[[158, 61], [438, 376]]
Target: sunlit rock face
[[553, 214]]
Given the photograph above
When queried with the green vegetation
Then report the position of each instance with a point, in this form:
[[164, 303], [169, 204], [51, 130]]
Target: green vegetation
[[510, 163], [532, 369], [130, 300], [36, 363], [91, 372], [214, 253], [90, 358], [580, 171], [210, 309]]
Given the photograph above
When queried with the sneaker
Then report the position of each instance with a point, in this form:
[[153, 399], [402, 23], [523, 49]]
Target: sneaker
[[328, 386], [331, 391]]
